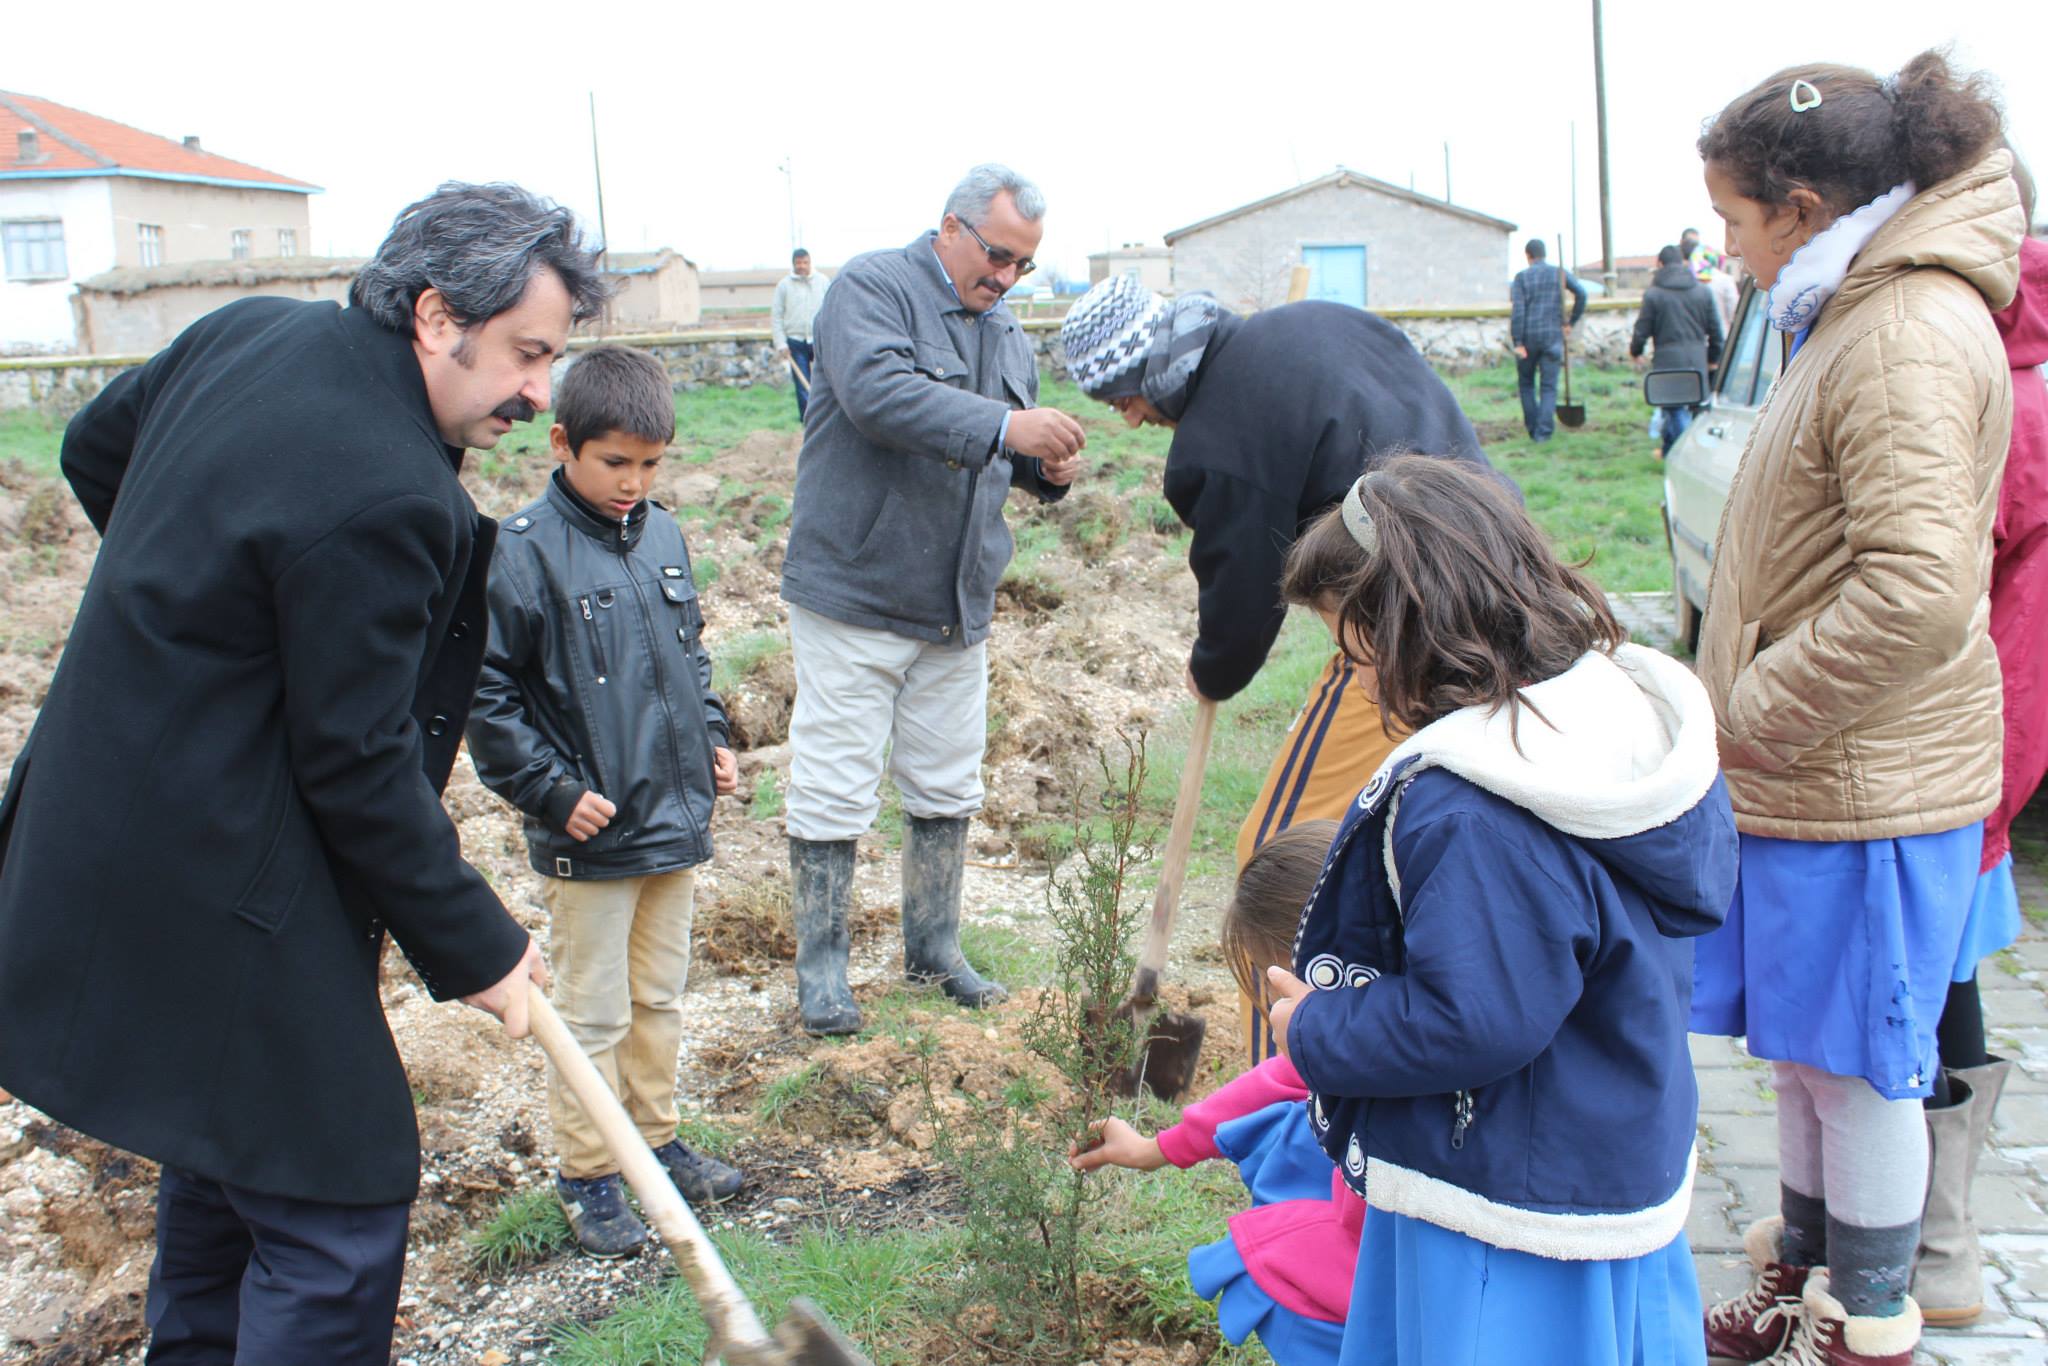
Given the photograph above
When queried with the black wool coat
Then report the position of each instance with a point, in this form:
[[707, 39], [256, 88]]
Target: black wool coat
[[232, 790], [1288, 408]]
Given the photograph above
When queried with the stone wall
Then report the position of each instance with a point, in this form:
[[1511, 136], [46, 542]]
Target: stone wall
[[1453, 340]]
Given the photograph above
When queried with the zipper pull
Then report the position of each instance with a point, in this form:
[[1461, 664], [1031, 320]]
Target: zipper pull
[[584, 603], [1461, 1106]]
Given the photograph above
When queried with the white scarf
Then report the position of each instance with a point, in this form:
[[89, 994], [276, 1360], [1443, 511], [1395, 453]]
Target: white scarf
[[1818, 268]]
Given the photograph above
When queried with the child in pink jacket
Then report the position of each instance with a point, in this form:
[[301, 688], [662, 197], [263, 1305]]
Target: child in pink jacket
[[1285, 1268]]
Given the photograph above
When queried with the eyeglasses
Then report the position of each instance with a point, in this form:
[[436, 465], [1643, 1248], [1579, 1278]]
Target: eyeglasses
[[1002, 258]]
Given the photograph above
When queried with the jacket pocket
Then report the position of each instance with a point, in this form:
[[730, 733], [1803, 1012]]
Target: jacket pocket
[[890, 535], [587, 607], [274, 888], [942, 363], [1746, 647], [689, 618]]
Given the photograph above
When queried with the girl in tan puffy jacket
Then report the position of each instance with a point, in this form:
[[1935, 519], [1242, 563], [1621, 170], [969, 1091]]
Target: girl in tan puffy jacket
[[1847, 653]]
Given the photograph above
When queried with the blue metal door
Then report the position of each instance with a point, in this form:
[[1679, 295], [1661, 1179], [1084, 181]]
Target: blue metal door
[[1336, 274]]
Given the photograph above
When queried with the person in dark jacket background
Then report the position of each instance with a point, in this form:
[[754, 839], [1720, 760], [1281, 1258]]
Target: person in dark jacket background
[[1273, 417], [1538, 331], [924, 415], [1680, 320], [595, 717], [232, 790]]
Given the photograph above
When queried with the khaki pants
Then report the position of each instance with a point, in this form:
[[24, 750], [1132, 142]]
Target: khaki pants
[[620, 953], [1331, 751]]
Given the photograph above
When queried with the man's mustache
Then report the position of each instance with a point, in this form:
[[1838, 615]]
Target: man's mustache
[[515, 410]]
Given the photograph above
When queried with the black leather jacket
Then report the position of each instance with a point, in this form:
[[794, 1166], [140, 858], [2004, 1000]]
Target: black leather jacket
[[596, 679]]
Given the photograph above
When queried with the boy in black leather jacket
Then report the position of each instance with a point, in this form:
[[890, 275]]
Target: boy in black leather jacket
[[595, 717]]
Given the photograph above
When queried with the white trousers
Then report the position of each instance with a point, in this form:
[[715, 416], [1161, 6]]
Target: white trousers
[[861, 693]]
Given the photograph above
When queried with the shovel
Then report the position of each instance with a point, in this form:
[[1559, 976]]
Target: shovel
[[803, 1338], [1570, 414], [1170, 1041]]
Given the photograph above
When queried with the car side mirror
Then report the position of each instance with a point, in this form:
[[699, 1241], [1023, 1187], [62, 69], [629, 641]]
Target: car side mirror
[[1674, 388]]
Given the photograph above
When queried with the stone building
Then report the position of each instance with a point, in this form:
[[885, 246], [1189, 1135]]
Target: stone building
[[1152, 265], [139, 310], [1365, 242], [81, 195], [652, 291]]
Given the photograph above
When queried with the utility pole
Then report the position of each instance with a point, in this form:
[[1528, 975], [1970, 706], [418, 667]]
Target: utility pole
[[1576, 258], [604, 242], [788, 169], [1607, 277]]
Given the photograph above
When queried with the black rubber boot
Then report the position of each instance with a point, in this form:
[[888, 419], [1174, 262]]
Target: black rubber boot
[[821, 887], [934, 858]]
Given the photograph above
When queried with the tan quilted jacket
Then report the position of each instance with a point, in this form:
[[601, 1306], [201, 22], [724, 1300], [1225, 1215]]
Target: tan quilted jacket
[[1846, 643]]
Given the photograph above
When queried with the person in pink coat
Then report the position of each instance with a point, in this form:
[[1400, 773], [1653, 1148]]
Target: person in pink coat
[[1284, 1270]]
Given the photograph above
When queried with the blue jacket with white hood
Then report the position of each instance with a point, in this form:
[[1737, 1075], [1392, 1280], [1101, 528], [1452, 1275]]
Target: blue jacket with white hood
[[1500, 942]]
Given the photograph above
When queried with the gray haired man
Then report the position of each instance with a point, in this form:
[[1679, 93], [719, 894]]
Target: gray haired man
[[923, 417]]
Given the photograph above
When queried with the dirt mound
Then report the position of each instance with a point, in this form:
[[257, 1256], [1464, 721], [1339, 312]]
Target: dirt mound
[[749, 930], [757, 708]]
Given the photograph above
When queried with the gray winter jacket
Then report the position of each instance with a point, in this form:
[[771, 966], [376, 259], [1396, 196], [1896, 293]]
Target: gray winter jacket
[[596, 679], [898, 516]]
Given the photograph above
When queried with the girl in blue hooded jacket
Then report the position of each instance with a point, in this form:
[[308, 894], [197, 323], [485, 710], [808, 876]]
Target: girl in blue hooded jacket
[[1492, 978]]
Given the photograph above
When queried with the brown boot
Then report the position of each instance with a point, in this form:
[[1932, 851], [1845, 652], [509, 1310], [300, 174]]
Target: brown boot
[[1829, 1335], [1759, 1321]]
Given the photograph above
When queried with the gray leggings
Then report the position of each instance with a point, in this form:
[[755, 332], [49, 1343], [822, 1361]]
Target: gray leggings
[[1854, 1170]]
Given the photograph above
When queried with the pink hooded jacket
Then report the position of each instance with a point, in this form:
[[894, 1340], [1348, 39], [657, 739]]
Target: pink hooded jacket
[[2019, 568], [1304, 1253]]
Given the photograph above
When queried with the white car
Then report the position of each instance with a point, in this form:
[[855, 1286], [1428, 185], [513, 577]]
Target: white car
[[1702, 462]]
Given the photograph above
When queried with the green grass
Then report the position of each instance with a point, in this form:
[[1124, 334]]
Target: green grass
[[712, 420], [1596, 491], [767, 802], [529, 1227], [781, 1096], [736, 658], [866, 1283], [1005, 954], [32, 439]]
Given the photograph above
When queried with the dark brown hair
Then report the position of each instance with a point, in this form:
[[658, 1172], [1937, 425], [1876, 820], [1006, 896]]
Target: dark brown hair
[[1265, 910], [615, 389], [1866, 135], [1462, 605]]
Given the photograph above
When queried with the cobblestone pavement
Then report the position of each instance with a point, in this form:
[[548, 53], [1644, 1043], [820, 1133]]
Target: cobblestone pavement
[[1738, 1179], [1647, 617]]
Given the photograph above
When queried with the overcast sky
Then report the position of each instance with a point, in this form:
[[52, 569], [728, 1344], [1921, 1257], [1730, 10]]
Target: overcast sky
[[1134, 119]]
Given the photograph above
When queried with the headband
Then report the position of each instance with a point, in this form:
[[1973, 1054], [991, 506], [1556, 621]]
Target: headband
[[1358, 521]]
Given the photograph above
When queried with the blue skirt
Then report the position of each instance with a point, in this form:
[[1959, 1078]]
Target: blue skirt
[[1277, 1156], [1994, 919], [1838, 954], [1426, 1296]]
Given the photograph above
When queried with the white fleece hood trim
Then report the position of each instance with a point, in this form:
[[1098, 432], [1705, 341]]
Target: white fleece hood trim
[[1606, 1237], [1625, 743]]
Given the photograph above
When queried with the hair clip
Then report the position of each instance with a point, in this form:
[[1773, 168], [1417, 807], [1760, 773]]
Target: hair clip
[[1805, 95], [1358, 521]]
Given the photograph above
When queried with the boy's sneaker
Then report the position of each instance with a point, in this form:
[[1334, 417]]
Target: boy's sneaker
[[702, 1180], [1759, 1322], [598, 1216]]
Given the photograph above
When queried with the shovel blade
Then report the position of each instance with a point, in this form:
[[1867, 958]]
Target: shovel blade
[[807, 1338], [1165, 1064], [1571, 414]]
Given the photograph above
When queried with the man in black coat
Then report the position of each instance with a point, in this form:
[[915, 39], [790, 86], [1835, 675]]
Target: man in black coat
[[232, 791], [1679, 316], [1274, 417]]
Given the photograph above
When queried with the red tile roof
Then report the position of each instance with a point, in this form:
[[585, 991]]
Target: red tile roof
[[73, 141]]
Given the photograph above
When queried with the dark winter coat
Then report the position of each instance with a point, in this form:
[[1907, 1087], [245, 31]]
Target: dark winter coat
[[897, 521], [596, 679], [232, 790], [1679, 315], [1500, 946], [1289, 407]]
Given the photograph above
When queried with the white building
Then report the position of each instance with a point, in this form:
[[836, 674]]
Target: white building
[[81, 195]]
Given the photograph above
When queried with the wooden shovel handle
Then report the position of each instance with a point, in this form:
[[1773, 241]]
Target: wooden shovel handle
[[1173, 871], [726, 1310]]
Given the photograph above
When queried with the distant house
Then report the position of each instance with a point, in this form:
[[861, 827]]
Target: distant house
[[81, 195], [651, 291], [739, 291], [1630, 272], [1365, 242], [1152, 265], [139, 310]]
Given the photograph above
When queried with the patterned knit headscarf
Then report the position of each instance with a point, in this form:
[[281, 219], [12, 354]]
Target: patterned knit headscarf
[[1106, 336]]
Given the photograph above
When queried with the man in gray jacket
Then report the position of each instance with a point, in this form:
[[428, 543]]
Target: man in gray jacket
[[923, 418]]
